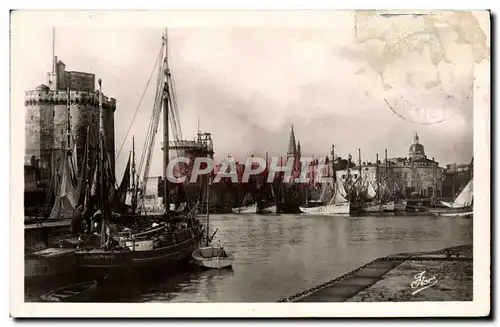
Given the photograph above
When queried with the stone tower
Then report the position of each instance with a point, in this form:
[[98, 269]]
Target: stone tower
[[70, 102]]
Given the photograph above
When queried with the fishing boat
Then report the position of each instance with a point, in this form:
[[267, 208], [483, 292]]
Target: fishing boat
[[246, 208], [400, 205], [269, 205], [383, 195], [269, 208], [462, 206], [213, 257], [251, 208], [337, 204], [79, 292], [333, 198], [415, 207], [162, 239], [209, 256], [48, 263]]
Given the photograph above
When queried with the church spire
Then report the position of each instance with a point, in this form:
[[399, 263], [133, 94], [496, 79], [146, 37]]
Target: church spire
[[292, 149], [299, 152], [415, 139]]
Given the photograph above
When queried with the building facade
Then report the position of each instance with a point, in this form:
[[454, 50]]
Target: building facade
[[416, 174]]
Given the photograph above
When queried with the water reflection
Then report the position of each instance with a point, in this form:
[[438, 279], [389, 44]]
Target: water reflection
[[280, 255]]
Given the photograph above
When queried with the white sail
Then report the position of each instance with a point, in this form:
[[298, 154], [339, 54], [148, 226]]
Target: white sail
[[464, 199], [371, 193], [341, 188], [326, 193], [340, 194]]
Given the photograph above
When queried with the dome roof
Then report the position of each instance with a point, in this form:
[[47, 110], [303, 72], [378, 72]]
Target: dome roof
[[417, 148], [42, 87]]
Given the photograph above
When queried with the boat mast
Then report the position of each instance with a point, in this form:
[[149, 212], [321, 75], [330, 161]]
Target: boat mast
[[68, 126], [133, 163], [165, 126], [386, 170], [101, 165], [208, 209], [378, 179], [359, 162]]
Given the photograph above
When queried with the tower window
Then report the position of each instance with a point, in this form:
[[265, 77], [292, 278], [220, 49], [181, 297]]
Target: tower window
[[31, 117]]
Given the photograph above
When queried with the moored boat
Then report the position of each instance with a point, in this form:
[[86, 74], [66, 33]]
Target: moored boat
[[329, 209], [210, 256], [269, 209], [164, 239], [251, 208], [213, 257], [159, 246], [48, 263], [400, 205], [462, 205], [79, 292]]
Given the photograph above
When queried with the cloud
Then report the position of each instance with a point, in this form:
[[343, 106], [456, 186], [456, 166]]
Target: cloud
[[249, 84]]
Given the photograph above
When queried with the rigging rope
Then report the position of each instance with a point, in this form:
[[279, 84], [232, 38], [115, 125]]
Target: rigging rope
[[140, 102]]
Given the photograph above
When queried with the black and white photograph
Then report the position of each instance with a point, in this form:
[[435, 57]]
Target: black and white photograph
[[326, 157]]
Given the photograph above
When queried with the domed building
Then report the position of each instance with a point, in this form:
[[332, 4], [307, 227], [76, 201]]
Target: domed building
[[418, 173], [417, 151]]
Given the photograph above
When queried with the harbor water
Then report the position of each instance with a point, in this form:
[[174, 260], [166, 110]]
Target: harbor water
[[280, 255]]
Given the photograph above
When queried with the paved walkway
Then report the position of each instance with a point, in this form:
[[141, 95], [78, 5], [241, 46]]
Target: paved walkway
[[447, 276]]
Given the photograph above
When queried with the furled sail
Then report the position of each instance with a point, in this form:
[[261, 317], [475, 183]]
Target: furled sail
[[66, 200]]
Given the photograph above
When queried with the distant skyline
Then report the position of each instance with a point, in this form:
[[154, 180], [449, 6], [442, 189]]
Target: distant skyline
[[248, 85]]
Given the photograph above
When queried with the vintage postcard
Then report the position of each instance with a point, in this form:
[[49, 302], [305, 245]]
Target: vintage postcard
[[250, 163]]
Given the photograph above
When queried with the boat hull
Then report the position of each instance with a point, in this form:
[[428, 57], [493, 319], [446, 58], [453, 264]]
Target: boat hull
[[386, 207], [453, 212], [48, 264], [246, 209], [80, 292], [270, 209], [212, 258], [330, 209], [108, 261], [400, 206]]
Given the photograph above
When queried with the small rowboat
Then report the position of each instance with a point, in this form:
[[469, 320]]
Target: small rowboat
[[71, 293], [213, 257]]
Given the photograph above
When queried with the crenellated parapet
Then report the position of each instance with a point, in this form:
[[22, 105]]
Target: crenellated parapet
[[42, 97]]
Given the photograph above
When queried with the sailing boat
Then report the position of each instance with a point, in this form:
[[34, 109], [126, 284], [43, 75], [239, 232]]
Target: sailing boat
[[269, 207], [461, 206], [246, 208], [383, 194], [338, 204], [336, 195], [209, 256], [165, 239]]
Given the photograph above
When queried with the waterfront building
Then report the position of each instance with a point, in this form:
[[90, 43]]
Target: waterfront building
[[67, 108]]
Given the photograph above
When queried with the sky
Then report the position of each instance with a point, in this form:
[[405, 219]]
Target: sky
[[360, 81]]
